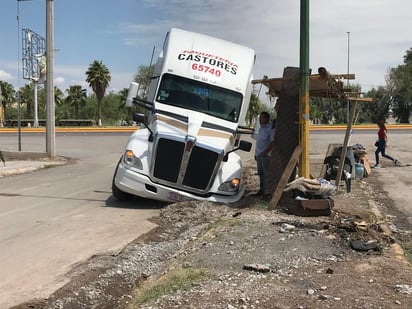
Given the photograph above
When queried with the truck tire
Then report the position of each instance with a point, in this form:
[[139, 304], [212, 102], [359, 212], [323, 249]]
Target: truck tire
[[117, 193]]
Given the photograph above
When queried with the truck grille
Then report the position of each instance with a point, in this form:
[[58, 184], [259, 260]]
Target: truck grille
[[180, 168]]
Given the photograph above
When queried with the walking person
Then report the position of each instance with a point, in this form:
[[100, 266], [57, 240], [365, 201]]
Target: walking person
[[381, 144], [264, 143]]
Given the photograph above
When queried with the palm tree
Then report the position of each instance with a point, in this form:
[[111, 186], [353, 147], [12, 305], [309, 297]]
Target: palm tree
[[7, 96], [98, 77], [58, 96], [76, 97], [27, 98]]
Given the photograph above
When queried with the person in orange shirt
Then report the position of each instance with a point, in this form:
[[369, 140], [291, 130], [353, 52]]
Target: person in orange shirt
[[382, 143]]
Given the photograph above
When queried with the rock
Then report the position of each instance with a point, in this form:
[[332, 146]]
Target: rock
[[257, 267], [403, 289], [323, 297], [285, 228], [329, 270]]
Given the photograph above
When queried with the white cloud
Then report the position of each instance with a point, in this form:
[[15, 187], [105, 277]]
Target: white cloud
[[5, 76], [379, 35], [59, 81]]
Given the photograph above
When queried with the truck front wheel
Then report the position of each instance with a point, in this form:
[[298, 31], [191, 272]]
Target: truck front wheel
[[117, 193]]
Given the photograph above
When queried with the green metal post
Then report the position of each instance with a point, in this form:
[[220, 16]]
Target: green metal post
[[304, 170]]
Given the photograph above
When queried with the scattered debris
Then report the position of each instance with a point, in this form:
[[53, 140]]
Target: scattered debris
[[317, 186], [361, 245]]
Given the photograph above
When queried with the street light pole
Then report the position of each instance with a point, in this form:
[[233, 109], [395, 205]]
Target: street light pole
[[18, 78], [50, 123]]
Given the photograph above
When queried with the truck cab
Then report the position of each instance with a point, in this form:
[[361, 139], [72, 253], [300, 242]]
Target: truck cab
[[196, 107]]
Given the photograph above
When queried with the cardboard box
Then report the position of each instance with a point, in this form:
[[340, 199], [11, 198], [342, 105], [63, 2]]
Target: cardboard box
[[317, 203], [310, 208], [365, 161]]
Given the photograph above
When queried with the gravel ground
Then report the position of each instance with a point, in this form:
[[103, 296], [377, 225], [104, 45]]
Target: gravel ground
[[254, 258]]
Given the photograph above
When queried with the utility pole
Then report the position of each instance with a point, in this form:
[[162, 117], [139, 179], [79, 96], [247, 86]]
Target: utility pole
[[50, 109]]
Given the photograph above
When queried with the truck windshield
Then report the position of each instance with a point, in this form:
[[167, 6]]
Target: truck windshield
[[195, 95]]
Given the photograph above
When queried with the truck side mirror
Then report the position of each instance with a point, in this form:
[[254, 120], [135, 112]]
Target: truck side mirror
[[141, 118], [243, 145]]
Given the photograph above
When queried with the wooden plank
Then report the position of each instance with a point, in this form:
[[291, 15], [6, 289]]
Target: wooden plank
[[343, 76], [285, 177], [345, 143]]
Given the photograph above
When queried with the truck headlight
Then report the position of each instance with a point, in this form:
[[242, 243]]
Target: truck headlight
[[230, 186], [129, 159]]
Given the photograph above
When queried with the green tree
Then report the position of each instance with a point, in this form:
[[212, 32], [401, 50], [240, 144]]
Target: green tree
[[316, 114], [327, 110], [143, 78], [7, 96], [253, 110], [122, 97], [27, 99], [98, 77], [76, 98], [58, 102], [379, 108], [58, 96], [399, 83], [122, 103], [111, 110]]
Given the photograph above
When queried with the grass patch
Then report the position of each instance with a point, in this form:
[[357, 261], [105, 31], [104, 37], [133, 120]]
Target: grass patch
[[175, 280], [260, 205], [407, 249], [228, 222], [215, 229]]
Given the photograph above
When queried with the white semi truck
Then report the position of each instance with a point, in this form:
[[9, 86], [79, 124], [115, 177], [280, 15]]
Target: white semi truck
[[196, 107]]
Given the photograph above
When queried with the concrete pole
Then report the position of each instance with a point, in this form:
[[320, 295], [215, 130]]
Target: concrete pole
[[50, 119], [304, 170]]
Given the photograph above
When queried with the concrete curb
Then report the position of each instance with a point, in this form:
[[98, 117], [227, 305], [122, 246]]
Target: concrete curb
[[397, 249], [23, 155], [17, 163]]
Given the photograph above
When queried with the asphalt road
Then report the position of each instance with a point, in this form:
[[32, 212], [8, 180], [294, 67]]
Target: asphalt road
[[57, 217]]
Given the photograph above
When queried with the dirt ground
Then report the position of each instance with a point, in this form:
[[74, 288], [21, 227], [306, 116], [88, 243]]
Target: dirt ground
[[254, 258]]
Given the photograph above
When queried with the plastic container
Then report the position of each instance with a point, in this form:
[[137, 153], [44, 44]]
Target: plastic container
[[359, 170]]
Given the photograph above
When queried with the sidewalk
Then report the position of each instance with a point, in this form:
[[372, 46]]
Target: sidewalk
[[25, 162]]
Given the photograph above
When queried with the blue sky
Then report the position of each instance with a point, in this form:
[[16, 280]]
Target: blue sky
[[123, 33]]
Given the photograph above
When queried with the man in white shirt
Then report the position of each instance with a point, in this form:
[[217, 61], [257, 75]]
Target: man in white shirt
[[263, 149]]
